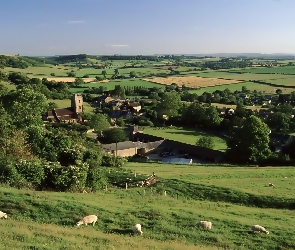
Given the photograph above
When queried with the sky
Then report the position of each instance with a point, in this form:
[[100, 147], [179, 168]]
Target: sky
[[146, 27]]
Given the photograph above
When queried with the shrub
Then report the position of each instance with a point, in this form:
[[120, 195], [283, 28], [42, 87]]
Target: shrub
[[31, 170], [10, 175], [206, 142], [96, 179], [113, 161], [64, 178]]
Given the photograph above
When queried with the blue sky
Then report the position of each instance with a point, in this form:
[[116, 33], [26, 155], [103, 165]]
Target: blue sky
[[54, 27]]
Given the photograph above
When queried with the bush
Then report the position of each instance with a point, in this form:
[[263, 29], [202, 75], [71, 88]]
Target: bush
[[10, 175], [96, 179], [206, 142], [112, 161], [63, 178], [32, 171]]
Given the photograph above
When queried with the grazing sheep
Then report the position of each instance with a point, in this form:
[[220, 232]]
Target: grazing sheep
[[3, 215], [204, 224], [137, 229], [271, 185], [260, 229], [87, 220]]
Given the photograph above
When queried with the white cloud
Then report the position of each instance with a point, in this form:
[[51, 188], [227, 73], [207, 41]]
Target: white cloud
[[118, 45], [75, 22]]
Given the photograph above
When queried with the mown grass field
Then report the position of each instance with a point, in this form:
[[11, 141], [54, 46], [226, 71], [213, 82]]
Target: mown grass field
[[185, 135], [46, 220]]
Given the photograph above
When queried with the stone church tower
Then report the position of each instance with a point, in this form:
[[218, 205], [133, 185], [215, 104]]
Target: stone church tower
[[77, 103]]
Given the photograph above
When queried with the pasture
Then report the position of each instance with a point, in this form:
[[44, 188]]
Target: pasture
[[110, 85], [46, 220], [259, 87], [185, 135], [268, 70]]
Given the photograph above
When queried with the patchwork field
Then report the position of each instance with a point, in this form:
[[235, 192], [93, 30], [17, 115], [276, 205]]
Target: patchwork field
[[191, 81]]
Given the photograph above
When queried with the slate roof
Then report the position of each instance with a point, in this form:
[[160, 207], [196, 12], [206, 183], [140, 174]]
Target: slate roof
[[120, 146]]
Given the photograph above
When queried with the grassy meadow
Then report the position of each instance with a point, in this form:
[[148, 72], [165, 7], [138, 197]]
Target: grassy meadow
[[185, 135], [46, 220]]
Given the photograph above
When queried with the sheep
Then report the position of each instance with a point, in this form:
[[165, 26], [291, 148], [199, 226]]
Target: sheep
[[271, 185], [260, 229], [3, 215], [87, 220], [204, 224], [137, 229]]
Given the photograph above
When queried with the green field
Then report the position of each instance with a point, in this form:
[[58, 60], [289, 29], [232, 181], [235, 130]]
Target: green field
[[244, 76], [264, 88], [185, 135], [268, 70], [46, 220], [111, 84]]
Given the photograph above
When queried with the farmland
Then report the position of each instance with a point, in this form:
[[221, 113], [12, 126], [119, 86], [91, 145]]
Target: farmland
[[191, 76], [46, 220], [192, 81]]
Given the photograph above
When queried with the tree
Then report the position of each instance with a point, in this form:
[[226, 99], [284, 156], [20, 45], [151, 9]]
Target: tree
[[279, 91], [114, 135], [104, 73], [26, 106], [278, 121], [119, 91], [116, 72], [206, 142], [99, 122], [78, 82], [249, 142], [120, 122], [169, 105], [132, 74]]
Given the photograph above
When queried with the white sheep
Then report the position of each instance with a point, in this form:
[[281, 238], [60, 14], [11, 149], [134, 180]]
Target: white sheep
[[137, 229], [87, 220], [3, 215], [260, 229], [271, 185], [204, 224]]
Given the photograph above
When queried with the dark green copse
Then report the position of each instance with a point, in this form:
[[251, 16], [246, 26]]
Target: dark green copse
[[249, 142]]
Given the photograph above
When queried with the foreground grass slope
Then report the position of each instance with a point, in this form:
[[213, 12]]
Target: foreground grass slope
[[46, 220]]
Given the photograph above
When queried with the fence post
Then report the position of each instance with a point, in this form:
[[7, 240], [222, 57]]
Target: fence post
[[106, 187], [165, 193], [126, 185], [134, 174]]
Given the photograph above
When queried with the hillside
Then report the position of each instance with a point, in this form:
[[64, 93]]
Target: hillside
[[46, 220]]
